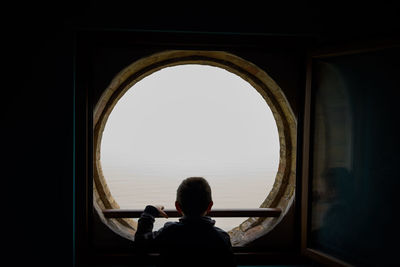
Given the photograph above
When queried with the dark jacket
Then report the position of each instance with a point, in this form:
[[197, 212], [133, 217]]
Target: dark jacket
[[189, 242]]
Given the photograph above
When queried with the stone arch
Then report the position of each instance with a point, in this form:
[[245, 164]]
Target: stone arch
[[282, 193]]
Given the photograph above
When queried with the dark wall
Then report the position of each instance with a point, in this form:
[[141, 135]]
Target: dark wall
[[37, 134], [38, 119]]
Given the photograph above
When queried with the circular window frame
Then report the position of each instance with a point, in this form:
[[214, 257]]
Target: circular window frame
[[282, 193]]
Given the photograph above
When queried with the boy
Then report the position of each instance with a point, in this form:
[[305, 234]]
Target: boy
[[194, 240]]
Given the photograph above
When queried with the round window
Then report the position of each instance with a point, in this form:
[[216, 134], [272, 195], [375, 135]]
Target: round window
[[178, 114]]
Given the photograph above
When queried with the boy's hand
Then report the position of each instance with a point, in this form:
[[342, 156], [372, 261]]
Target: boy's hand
[[160, 209]]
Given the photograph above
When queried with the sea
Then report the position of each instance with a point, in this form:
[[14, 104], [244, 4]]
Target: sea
[[135, 191]]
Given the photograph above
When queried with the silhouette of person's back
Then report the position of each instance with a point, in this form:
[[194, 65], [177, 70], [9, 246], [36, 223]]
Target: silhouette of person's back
[[194, 240]]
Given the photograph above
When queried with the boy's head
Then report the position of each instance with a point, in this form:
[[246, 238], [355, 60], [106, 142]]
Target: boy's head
[[193, 197]]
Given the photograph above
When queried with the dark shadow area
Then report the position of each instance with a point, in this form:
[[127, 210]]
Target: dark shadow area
[[40, 117]]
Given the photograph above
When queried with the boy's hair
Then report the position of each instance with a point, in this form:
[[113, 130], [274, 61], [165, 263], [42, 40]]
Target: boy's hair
[[194, 196]]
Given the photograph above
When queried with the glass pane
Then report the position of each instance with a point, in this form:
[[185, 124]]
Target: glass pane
[[355, 156], [191, 120]]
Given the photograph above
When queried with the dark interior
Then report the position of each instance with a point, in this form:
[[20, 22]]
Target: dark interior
[[60, 55]]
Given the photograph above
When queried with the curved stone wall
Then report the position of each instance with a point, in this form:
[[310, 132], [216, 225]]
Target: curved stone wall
[[282, 193]]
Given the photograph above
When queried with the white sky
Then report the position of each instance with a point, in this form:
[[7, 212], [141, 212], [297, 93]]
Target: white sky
[[192, 120]]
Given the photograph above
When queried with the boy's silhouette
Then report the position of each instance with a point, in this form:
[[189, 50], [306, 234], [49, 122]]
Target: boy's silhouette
[[194, 240]]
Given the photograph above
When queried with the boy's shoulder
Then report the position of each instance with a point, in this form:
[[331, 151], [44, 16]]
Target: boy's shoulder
[[221, 231]]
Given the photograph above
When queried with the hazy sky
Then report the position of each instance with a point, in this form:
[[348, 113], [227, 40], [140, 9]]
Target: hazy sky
[[192, 120]]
